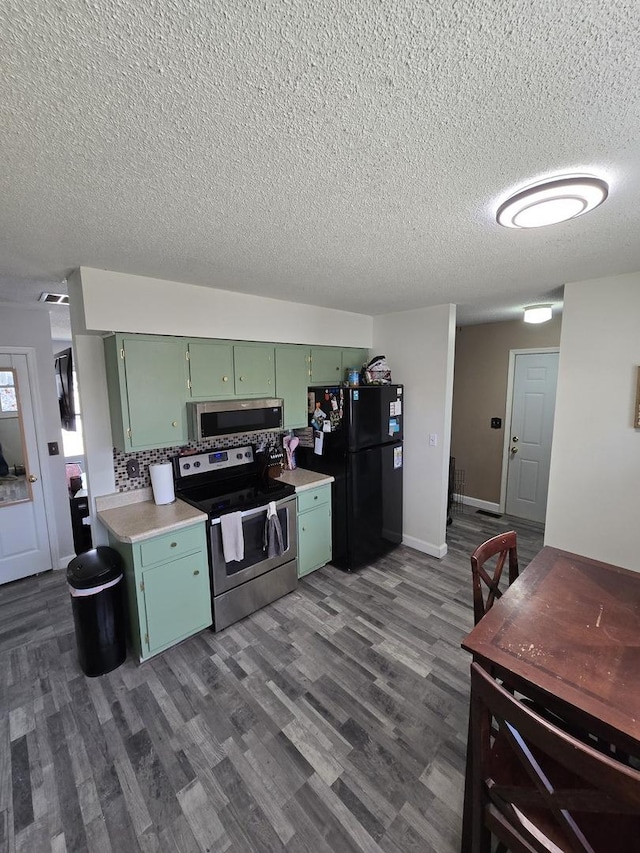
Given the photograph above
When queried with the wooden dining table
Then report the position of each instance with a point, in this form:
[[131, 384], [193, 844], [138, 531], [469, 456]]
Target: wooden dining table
[[567, 631]]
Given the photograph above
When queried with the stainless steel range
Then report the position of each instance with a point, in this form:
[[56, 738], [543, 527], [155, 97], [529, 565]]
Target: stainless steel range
[[220, 482]]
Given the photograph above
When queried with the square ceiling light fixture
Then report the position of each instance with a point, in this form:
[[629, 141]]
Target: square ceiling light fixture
[[552, 201], [537, 313]]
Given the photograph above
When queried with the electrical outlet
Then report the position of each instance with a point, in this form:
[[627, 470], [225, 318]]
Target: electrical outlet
[[133, 468]]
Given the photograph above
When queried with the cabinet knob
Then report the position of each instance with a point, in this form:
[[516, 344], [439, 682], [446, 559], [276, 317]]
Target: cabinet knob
[[241, 378], [174, 544], [304, 529], [337, 368], [268, 382], [225, 378], [315, 497], [174, 423], [196, 572]]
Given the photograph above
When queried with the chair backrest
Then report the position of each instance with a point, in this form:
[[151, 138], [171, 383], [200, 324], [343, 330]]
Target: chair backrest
[[501, 547], [536, 786]]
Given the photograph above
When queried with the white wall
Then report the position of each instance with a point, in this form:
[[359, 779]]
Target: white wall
[[29, 326], [119, 302], [419, 346], [88, 350], [594, 485]]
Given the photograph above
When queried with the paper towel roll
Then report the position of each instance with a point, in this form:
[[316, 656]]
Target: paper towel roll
[[162, 482]]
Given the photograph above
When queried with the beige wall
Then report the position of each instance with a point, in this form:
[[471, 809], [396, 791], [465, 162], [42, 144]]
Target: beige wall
[[480, 393]]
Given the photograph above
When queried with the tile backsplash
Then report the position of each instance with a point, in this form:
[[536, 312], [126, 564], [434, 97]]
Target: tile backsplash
[[144, 458]]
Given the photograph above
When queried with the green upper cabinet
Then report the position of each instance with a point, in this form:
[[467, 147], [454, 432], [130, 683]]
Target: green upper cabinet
[[353, 358], [326, 365], [210, 369], [292, 379], [223, 369], [147, 383], [330, 364], [254, 370]]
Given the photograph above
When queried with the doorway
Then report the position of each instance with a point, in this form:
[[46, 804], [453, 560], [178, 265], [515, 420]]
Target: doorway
[[24, 536], [531, 397]]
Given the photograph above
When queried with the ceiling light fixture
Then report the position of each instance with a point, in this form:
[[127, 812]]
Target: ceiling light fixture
[[552, 201], [537, 313]]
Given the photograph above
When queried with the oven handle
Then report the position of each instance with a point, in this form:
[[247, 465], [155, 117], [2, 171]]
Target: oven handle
[[249, 512]]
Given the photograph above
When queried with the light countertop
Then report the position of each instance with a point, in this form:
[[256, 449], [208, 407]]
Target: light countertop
[[133, 516], [303, 479]]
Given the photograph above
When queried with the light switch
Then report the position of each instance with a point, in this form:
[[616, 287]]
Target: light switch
[[433, 439]]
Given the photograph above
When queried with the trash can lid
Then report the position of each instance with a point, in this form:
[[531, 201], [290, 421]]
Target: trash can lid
[[94, 568]]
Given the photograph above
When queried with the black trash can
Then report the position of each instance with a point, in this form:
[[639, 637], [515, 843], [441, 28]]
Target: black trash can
[[97, 598]]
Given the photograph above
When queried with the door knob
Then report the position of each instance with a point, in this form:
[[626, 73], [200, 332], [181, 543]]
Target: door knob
[[515, 438], [32, 478], [514, 449]]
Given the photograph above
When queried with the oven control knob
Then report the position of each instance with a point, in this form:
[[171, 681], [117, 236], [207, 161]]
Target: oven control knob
[[238, 455], [248, 454], [186, 466], [196, 464]]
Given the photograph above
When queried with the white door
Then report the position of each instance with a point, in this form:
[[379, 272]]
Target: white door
[[24, 538], [531, 432]]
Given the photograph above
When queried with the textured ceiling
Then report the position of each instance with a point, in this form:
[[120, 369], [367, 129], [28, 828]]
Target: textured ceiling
[[346, 154]]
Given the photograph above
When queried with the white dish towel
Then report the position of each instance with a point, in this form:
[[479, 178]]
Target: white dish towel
[[232, 536]]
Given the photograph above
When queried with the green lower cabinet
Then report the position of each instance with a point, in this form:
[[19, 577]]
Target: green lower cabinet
[[314, 529], [168, 591]]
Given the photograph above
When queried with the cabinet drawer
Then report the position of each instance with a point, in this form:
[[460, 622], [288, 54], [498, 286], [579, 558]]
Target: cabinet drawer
[[314, 497], [171, 545]]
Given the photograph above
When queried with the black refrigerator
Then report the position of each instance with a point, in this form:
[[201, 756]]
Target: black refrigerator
[[358, 440]]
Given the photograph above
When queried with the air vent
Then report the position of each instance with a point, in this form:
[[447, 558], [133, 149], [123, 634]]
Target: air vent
[[54, 298]]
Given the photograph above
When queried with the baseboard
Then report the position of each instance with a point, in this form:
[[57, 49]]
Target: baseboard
[[489, 506], [429, 548]]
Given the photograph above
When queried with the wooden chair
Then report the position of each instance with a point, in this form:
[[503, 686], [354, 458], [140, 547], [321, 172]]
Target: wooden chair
[[500, 547], [535, 786]]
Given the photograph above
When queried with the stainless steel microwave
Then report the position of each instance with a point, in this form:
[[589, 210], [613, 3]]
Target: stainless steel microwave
[[226, 418]]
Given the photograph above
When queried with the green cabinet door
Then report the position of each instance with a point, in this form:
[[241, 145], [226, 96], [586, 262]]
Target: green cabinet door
[[168, 590], [292, 379], [254, 371], [147, 384], [177, 600], [326, 365], [210, 369], [314, 529], [353, 357]]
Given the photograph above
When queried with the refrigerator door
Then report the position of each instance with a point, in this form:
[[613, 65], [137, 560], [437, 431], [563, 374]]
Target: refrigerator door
[[373, 506], [373, 415]]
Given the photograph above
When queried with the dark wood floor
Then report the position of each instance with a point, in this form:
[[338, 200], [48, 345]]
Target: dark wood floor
[[333, 720]]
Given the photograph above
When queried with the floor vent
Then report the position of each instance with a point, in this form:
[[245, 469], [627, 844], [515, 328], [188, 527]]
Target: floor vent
[[54, 298], [490, 514]]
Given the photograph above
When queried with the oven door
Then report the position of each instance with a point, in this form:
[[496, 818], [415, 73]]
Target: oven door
[[226, 576]]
